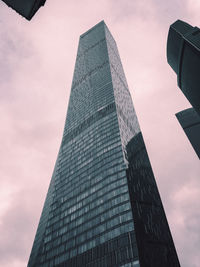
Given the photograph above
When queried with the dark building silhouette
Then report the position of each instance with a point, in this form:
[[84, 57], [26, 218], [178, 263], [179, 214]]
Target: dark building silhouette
[[26, 8], [154, 241], [190, 122], [102, 207], [183, 55]]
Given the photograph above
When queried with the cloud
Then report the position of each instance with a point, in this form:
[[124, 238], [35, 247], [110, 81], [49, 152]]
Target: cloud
[[38, 59]]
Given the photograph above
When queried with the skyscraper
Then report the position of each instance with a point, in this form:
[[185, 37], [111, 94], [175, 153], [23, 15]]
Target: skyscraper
[[89, 217], [190, 122], [26, 8], [183, 55]]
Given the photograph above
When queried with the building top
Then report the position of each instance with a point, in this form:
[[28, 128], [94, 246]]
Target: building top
[[183, 55], [95, 26], [176, 32], [190, 122], [188, 117]]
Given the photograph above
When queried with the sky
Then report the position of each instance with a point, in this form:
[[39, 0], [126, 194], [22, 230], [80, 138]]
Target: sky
[[37, 62]]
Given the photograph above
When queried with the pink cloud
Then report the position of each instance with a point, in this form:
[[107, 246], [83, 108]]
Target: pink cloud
[[38, 59]]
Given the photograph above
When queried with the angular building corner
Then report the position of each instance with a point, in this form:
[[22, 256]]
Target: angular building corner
[[190, 122], [26, 8], [103, 207], [183, 55]]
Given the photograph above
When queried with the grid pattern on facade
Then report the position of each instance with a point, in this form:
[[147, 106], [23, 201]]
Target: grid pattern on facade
[[128, 123], [89, 215], [89, 204]]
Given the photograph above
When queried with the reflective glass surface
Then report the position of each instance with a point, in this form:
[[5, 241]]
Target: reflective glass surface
[[88, 201], [87, 219]]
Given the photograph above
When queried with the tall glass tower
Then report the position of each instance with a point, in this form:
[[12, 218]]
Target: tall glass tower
[[90, 213]]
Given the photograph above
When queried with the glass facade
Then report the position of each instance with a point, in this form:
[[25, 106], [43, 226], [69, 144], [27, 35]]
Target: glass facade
[[87, 219], [154, 240]]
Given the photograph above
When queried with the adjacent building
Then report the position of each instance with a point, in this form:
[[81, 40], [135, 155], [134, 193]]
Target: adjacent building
[[103, 207], [183, 55], [190, 122], [26, 8]]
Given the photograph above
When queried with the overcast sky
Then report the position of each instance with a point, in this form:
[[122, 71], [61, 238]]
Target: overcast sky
[[37, 62]]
